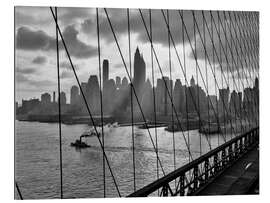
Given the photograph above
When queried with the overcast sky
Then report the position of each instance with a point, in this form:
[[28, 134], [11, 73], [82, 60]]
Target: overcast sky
[[35, 58]]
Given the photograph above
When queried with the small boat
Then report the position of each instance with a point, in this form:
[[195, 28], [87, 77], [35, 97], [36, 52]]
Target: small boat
[[89, 133], [114, 125], [210, 129], [79, 144]]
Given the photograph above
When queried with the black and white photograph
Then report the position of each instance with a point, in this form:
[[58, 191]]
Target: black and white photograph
[[135, 102]]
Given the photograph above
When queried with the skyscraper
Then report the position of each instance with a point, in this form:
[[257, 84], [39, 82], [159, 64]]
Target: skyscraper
[[105, 71], [139, 72], [192, 81], [118, 81], [92, 93], [74, 95], [54, 97], [45, 98], [63, 99]]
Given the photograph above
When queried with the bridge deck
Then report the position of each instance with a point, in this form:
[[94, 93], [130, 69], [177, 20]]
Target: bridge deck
[[241, 178]]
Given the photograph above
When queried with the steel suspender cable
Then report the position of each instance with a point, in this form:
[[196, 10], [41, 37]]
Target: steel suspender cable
[[171, 90], [59, 108], [248, 66], [166, 86], [218, 57], [228, 79], [230, 48], [242, 130], [222, 86], [186, 84], [18, 190], [181, 65], [209, 59], [207, 86], [85, 101], [197, 93], [101, 105], [121, 55], [131, 106], [216, 92], [154, 93], [193, 52]]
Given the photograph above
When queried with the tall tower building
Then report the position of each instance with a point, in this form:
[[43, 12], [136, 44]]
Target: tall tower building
[[92, 93], [139, 71], [54, 97], [105, 71], [118, 81], [192, 81], [74, 95], [63, 99]]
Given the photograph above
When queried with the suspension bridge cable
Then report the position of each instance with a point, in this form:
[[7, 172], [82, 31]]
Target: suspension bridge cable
[[205, 51], [131, 106], [173, 43], [207, 85], [84, 98], [239, 40], [222, 85], [101, 104], [215, 52], [59, 108], [186, 84], [228, 78], [121, 55], [193, 52], [211, 37], [166, 86], [230, 48], [197, 79], [230, 26], [153, 82], [171, 90], [239, 80], [233, 60], [254, 50], [240, 102], [18, 190]]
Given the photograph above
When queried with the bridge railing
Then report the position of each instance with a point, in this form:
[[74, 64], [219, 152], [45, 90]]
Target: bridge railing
[[203, 169]]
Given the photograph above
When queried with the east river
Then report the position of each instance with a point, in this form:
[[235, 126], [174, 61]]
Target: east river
[[37, 159]]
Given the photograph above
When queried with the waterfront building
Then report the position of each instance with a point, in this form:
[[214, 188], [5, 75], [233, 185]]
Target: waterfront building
[[45, 98], [74, 95]]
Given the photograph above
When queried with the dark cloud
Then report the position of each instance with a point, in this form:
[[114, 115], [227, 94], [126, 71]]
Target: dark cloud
[[23, 79], [66, 74], [118, 18], [118, 65], [25, 70], [72, 15], [28, 39], [225, 48], [41, 83], [39, 60], [36, 16], [76, 47]]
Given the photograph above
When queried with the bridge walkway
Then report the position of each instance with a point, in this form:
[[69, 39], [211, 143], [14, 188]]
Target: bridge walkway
[[241, 178]]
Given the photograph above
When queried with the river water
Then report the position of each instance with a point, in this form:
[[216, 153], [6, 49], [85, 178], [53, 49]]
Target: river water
[[37, 159]]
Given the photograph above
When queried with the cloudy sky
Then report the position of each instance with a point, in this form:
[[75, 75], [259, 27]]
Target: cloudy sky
[[35, 54]]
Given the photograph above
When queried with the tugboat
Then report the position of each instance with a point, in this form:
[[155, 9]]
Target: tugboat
[[210, 129], [79, 144]]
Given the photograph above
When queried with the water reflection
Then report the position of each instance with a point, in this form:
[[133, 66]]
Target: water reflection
[[37, 159]]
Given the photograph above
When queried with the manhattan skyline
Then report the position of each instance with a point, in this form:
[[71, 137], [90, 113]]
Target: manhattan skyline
[[35, 68]]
